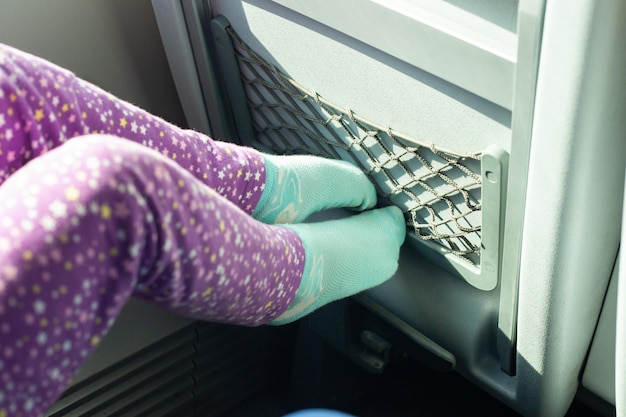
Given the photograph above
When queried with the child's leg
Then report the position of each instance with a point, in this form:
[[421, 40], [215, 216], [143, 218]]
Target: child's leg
[[100, 219], [42, 106]]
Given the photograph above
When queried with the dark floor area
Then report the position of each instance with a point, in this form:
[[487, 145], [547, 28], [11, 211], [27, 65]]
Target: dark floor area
[[405, 389]]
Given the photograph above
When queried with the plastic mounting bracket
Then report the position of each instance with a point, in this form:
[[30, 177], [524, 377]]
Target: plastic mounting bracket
[[494, 170]]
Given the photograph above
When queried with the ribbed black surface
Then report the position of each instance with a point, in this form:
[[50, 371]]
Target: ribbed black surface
[[202, 370]]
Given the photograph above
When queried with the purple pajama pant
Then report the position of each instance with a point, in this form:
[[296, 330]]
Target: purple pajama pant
[[152, 211]]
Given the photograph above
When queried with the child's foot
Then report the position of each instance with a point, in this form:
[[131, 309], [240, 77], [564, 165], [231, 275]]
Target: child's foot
[[344, 257], [299, 185]]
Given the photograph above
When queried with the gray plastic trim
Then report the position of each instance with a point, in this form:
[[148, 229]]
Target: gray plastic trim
[[494, 168], [171, 22], [601, 360], [445, 40], [574, 198], [530, 28], [227, 63], [416, 336], [620, 333], [195, 12]]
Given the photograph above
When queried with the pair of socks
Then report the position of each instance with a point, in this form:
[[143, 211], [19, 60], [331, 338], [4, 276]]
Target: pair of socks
[[343, 257]]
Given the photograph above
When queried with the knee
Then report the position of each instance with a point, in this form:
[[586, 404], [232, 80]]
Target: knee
[[89, 152], [99, 146], [78, 161], [91, 167], [108, 159]]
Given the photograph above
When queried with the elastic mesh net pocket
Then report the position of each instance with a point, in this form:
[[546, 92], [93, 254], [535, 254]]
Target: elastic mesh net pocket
[[438, 190]]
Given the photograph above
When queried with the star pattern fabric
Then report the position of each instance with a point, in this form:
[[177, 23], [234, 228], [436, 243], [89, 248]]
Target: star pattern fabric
[[88, 220], [43, 106]]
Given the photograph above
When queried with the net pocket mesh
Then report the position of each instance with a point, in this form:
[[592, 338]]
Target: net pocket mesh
[[438, 190]]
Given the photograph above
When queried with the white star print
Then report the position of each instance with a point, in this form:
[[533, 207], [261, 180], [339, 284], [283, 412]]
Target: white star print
[[58, 209], [81, 210], [133, 127], [48, 223]]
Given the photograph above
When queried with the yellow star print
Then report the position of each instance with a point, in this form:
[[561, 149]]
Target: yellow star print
[[39, 115], [72, 194], [105, 211]]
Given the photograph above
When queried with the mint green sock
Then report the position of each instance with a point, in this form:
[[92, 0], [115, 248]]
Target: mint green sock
[[344, 257], [299, 185]]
